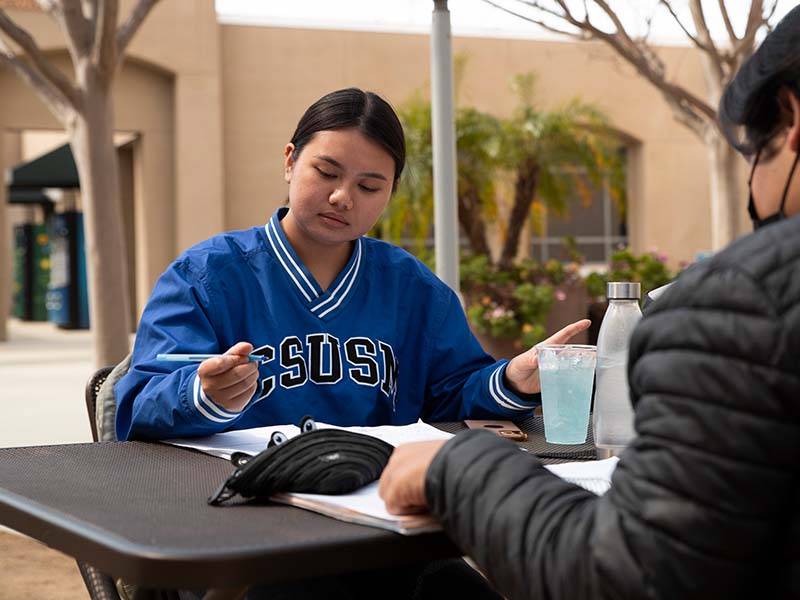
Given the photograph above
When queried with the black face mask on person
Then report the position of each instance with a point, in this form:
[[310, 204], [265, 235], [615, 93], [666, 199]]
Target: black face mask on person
[[751, 206]]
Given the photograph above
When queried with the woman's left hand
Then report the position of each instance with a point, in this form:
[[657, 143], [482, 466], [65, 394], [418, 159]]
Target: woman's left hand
[[522, 373]]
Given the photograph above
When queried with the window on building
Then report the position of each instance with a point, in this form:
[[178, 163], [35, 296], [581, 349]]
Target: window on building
[[593, 221]]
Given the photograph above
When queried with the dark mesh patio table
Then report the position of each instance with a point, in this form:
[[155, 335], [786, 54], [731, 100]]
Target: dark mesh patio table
[[536, 444], [138, 510]]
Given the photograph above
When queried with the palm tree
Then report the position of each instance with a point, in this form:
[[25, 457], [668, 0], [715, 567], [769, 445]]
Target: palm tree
[[534, 148], [544, 149]]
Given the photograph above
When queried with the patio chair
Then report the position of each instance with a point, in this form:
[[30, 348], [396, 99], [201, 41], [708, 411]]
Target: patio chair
[[93, 386], [99, 585], [100, 404], [101, 408]]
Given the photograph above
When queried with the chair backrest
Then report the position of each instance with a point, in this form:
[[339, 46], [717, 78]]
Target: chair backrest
[[99, 585], [93, 386], [101, 408]]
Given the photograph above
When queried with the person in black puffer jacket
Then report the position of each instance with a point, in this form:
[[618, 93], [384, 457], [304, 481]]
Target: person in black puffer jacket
[[704, 501]]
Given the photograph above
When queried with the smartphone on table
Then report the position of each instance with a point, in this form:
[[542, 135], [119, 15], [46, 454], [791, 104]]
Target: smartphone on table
[[505, 429]]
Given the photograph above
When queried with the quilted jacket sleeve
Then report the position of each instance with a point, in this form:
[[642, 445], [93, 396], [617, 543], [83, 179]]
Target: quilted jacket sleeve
[[700, 501]]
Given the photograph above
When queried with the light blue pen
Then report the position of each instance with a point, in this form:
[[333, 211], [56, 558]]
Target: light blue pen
[[201, 357]]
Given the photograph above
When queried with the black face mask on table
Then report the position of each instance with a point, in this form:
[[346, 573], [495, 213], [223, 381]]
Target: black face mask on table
[[751, 207]]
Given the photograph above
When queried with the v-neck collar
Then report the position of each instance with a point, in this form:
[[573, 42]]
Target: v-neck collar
[[325, 304]]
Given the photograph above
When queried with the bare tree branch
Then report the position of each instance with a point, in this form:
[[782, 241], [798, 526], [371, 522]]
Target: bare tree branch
[[614, 19], [90, 10], [755, 20], [769, 14], [693, 110], [541, 8], [694, 39], [687, 100], [104, 48], [591, 30], [713, 55], [567, 13], [686, 117], [47, 92], [697, 114], [534, 21], [723, 10], [132, 24], [46, 69], [52, 8], [76, 29]]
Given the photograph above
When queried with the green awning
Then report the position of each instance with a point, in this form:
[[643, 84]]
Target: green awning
[[28, 197], [56, 169]]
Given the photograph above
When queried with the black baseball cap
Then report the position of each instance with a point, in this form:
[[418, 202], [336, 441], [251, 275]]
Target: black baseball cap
[[748, 110]]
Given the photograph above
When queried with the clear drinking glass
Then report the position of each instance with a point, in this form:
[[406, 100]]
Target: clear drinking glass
[[566, 372]]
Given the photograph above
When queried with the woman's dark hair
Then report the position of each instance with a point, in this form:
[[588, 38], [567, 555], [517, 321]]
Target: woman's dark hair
[[749, 111], [352, 107]]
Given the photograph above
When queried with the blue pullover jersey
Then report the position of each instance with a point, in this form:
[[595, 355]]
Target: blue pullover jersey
[[386, 344]]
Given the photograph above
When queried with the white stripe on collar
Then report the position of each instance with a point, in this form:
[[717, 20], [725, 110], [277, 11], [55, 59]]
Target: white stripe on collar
[[348, 279], [283, 255]]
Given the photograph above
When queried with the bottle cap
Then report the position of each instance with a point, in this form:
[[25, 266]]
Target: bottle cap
[[623, 290]]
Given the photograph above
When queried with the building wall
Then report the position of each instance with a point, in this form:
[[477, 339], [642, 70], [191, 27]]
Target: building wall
[[270, 75], [213, 106], [167, 94]]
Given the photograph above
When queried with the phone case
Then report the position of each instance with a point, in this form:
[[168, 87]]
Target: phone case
[[505, 429]]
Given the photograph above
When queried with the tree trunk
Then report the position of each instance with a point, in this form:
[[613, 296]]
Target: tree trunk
[[6, 252], [471, 219], [92, 141], [727, 198], [524, 190]]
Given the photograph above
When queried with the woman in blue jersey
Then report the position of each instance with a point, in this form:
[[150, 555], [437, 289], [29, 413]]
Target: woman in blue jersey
[[352, 330]]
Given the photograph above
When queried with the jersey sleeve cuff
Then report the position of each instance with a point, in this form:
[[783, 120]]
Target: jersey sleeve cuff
[[505, 398], [209, 409]]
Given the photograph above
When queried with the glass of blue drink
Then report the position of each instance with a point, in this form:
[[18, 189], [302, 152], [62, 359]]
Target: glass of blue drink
[[566, 372]]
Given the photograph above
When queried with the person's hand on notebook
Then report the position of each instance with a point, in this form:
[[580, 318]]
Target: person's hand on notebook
[[230, 380], [402, 484]]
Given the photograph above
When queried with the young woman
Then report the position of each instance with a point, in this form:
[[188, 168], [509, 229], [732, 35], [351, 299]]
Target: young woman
[[703, 502], [351, 330]]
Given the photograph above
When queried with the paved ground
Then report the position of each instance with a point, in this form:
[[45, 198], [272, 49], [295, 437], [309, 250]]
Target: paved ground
[[43, 370]]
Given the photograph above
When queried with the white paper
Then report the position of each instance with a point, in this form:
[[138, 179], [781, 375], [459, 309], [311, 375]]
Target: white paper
[[253, 441], [250, 441], [363, 506], [593, 475]]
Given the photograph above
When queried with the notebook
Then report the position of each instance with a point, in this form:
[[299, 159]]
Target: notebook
[[593, 475], [365, 506]]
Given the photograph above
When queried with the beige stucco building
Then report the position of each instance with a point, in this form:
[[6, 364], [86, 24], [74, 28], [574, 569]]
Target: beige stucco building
[[209, 108]]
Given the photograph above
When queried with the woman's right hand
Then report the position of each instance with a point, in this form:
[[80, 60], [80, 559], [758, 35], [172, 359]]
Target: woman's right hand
[[230, 380]]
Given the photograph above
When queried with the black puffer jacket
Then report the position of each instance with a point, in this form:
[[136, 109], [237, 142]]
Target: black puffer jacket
[[704, 503]]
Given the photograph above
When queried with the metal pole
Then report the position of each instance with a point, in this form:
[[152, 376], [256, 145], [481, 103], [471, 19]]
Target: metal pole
[[445, 211]]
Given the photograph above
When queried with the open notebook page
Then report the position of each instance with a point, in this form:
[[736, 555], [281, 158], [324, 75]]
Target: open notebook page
[[364, 506], [593, 475], [253, 441]]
